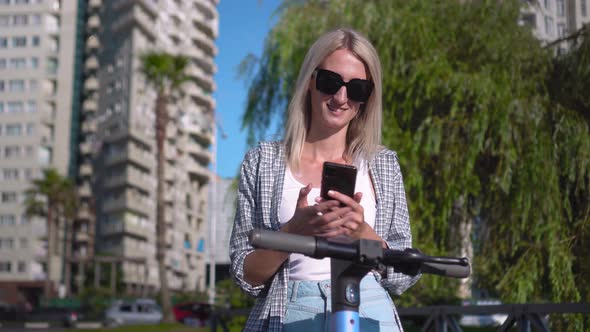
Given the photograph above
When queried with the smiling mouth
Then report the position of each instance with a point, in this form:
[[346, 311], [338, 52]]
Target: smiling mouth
[[335, 109]]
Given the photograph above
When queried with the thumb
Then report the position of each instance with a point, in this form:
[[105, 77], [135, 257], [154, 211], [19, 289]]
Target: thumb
[[358, 196], [302, 199]]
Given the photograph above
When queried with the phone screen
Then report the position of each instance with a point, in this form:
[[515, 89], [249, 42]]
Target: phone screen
[[338, 177]]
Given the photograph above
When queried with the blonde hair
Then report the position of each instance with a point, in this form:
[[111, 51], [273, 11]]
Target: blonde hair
[[363, 138]]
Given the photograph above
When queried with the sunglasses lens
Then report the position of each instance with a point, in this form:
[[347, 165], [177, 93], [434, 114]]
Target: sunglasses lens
[[328, 82], [359, 90]]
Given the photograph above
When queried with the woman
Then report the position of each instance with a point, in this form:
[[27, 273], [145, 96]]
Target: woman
[[335, 115]]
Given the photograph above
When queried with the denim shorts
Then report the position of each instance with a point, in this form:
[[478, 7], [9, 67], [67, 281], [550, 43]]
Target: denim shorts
[[309, 307]]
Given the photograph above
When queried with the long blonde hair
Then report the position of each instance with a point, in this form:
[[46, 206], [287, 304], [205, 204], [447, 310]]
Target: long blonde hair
[[364, 132]]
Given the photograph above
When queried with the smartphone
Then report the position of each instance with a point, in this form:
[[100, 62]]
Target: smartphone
[[338, 177]]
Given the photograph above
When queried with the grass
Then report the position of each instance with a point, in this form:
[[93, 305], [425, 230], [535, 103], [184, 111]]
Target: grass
[[174, 327]]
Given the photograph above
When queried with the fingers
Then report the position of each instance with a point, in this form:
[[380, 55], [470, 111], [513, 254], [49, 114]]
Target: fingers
[[302, 199]]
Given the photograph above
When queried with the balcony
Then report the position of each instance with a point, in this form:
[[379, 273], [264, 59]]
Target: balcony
[[85, 148], [93, 22], [91, 63], [136, 18], [201, 77], [84, 191], [198, 172], [203, 41], [86, 170], [148, 5], [91, 84], [90, 105], [199, 153], [92, 44], [83, 213], [89, 127], [95, 4]]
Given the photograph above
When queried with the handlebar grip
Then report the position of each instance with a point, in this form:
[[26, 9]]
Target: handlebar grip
[[267, 239], [454, 271]]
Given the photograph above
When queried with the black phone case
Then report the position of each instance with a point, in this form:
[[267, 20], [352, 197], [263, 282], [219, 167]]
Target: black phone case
[[338, 177]]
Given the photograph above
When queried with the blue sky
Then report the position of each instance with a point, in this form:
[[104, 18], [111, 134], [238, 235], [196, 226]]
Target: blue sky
[[243, 25]]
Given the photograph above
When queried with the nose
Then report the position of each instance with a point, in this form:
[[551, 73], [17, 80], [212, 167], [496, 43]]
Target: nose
[[341, 95]]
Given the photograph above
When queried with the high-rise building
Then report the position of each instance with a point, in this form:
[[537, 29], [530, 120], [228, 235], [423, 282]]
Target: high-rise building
[[122, 148], [555, 19], [38, 77], [72, 97]]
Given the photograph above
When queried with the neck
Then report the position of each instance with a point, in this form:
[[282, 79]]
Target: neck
[[326, 147]]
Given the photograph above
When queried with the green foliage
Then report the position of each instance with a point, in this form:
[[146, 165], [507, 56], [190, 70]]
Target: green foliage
[[232, 296], [476, 108], [163, 70]]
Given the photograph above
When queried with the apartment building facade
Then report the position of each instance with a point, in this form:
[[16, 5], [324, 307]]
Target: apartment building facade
[[37, 127], [72, 97], [123, 146], [555, 19]]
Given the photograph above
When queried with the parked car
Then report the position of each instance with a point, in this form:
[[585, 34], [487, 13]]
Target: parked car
[[138, 312], [192, 313], [62, 316]]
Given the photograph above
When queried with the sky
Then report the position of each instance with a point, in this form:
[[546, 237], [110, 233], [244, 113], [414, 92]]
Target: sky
[[243, 26]]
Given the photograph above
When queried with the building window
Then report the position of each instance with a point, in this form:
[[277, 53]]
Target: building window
[[8, 197], [583, 8], [19, 41], [3, 42], [16, 85], [34, 62], [33, 85], [1, 107], [10, 174], [20, 20], [560, 7], [30, 129], [549, 26], [31, 106], [13, 129], [7, 219], [5, 266], [35, 19], [14, 107], [2, 63], [4, 21], [18, 63], [36, 41], [11, 151], [24, 242], [22, 267], [547, 4], [4, 2], [561, 30]]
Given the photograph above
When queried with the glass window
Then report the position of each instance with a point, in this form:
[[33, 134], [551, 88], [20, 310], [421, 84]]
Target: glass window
[[31, 106], [20, 20], [24, 242], [1, 107], [5, 266], [1, 86], [35, 19], [4, 2], [21, 2], [7, 219], [16, 85], [10, 174], [11, 151], [19, 41], [2, 63], [34, 62], [18, 63], [52, 66], [22, 267], [30, 129], [33, 85], [548, 25], [4, 21], [561, 30], [29, 151], [13, 129], [583, 8], [3, 42], [36, 41], [8, 197], [546, 4], [14, 107], [560, 6]]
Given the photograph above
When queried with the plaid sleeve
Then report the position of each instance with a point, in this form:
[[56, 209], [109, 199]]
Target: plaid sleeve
[[245, 220], [399, 235]]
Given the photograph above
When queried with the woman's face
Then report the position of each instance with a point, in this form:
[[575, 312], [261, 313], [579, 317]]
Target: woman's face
[[332, 113]]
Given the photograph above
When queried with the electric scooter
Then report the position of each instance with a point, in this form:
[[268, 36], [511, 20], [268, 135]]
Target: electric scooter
[[350, 262]]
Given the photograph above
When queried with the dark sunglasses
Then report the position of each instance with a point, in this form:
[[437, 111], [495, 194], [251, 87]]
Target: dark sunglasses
[[329, 82]]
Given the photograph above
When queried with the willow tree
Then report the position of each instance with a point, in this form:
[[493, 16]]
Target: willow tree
[[491, 159], [53, 197], [166, 73]]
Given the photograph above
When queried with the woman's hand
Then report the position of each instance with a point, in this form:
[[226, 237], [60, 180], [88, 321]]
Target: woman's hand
[[353, 223], [323, 219]]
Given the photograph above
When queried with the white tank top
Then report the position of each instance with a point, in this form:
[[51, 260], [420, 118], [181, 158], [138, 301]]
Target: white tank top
[[305, 268]]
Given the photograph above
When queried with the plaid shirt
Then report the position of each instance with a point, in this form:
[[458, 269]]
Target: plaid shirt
[[259, 198]]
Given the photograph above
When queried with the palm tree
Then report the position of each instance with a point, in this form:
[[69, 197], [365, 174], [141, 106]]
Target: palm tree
[[53, 196], [165, 72]]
